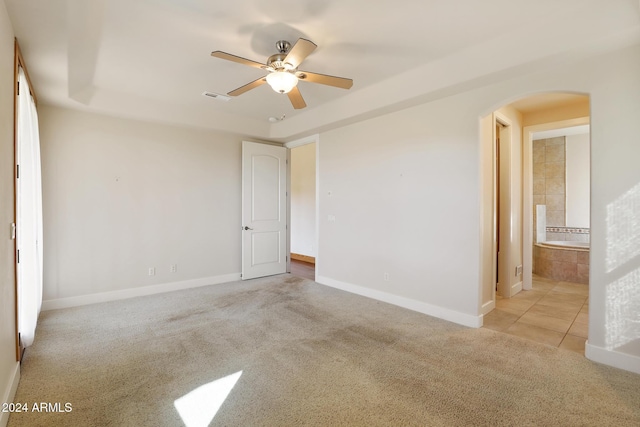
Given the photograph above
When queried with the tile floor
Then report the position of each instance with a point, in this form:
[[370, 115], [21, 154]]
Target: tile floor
[[553, 313]]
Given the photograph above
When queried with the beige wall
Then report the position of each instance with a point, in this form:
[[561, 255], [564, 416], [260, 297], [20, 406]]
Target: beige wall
[[122, 196], [303, 200], [511, 202], [566, 112], [9, 368], [403, 190]]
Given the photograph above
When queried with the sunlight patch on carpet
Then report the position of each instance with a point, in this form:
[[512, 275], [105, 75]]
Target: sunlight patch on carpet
[[198, 407]]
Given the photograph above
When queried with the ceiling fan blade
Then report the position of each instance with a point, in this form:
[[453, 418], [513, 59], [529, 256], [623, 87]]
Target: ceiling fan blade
[[299, 52], [252, 85], [238, 59], [324, 79], [296, 98]]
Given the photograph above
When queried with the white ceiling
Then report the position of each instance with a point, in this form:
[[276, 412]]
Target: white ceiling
[[150, 59]]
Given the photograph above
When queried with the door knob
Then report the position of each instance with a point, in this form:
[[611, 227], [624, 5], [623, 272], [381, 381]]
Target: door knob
[[247, 228]]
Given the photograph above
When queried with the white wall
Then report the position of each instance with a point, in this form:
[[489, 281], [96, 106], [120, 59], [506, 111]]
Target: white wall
[[403, 189], [578, 180], [9, 368], [303, 200], [122, 196], [614, 298], [405, 197]]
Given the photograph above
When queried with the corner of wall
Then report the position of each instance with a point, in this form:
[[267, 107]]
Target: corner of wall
[[10, 393], [408, 303], [95, 298], [625, 361]]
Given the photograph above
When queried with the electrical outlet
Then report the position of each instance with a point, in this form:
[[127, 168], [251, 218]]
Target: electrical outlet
[[518, 270], [152, 271], [173, 268], [386, 277]]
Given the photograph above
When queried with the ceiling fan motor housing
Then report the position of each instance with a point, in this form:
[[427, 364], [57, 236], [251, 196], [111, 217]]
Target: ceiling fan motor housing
[[276, 61]]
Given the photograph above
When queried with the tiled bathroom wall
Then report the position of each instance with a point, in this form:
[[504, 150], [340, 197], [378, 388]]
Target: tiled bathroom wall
[[569, 234], [549, 180], [549, 189]]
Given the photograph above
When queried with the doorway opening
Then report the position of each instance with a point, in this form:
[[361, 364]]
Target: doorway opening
[[547, 299], [303, 234]]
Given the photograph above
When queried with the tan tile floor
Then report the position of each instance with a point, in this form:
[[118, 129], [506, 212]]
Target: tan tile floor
[[553, 313]]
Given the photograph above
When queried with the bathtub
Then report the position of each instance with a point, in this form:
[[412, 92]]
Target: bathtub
[[560, 260], [581, 246]]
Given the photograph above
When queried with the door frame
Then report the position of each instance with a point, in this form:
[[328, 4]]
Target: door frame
[[505, 264], [311, 139], [527, 187]]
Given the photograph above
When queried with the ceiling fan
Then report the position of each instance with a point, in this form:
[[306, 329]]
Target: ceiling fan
[[283, 71]]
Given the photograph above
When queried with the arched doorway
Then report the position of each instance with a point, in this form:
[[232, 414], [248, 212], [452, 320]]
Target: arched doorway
[[526, 190]]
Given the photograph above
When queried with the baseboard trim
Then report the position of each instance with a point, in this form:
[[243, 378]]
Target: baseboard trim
[[625, 361], [487, 307], [10, 393], [411, 304], [516, 288], [305, 258], [54, 304]]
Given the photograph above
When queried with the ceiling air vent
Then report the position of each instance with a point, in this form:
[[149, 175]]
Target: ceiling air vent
[[217, 96]]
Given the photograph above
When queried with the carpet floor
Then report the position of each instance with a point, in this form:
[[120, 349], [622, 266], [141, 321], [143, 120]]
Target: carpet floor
[[286, 351]]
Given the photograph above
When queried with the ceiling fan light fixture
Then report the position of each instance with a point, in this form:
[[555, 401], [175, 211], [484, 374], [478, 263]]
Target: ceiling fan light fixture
[[282, 71], [282, 81]]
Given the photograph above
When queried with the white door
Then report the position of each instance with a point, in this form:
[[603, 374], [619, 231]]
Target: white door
[[264, 210]]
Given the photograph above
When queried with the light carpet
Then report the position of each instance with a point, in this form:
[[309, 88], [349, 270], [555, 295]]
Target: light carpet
[[303, 355]]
